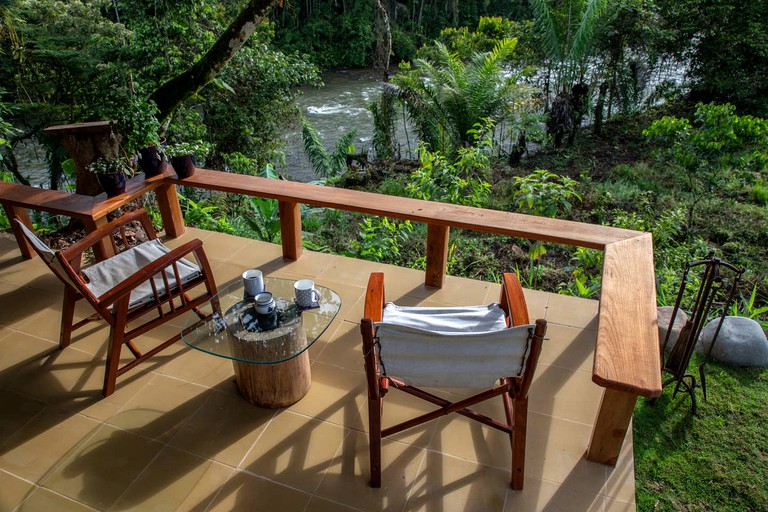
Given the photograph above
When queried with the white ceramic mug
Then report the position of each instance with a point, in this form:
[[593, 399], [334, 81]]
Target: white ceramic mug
[[265, 303], [253, 282], [306, 295]]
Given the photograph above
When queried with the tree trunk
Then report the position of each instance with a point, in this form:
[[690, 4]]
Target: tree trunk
[[181, 87], [384, 40]]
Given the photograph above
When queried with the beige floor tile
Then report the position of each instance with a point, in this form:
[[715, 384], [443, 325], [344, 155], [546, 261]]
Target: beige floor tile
[[468, 439], [248, 492], [621, 478], [175, 480], [537, 303], [542, 496], [18, 410], [336, 395], [223, 428], [555, 453], [349, 473], [400, 407], [197, 367], [45, 443], [401, 280], [344, 348], [20, 304], [294, 450], [565, 394], [321, 505], [43, 500], [311, 264], [103, 467], [449, 484], [33, 273], [572, 311], [348, 271], [15, 491], [160, 408], [569, 347], [613, 505]]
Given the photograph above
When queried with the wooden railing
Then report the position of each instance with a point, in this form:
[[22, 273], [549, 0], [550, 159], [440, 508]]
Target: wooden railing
[[626, 362]]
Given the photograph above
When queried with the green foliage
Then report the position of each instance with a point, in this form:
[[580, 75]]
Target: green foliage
[[111, 166], [717, 144], [265, 220], [197, 148], [202, 216], [138, 124], [326, 165], [380, 239], [544, 193], [463, 182], [749, 308], [726, 42], [446, 97]]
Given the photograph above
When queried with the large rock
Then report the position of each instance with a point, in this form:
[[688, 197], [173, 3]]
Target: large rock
[[741, 342], [664, 316]]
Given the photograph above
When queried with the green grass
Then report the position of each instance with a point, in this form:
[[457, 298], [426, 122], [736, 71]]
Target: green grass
[[715, 461]]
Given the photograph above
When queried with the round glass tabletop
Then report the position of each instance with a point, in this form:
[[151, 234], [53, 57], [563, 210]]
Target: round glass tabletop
[[234, 330]]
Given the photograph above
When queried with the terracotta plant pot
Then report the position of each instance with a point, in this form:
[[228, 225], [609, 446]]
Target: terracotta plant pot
[[151, 162], [183, 165], [113, 184]]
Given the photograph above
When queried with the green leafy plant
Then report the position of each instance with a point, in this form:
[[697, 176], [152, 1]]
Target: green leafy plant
[[544, 193], [197, 148], [748, 308], [381, 238], [326, 165], [265, 221], [111, 166], [201, 216], [138, 124]]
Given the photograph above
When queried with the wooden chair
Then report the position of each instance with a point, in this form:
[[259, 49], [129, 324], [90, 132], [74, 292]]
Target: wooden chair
[[136, 290], [488, 347]]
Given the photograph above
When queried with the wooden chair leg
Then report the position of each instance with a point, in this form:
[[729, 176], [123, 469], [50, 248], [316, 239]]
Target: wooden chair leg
[[113, 360], [374, 432], [67, 316], [518, 442]]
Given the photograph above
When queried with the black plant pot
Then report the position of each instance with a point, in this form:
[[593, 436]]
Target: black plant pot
[[113, 184], [183, 165], [151, 162]]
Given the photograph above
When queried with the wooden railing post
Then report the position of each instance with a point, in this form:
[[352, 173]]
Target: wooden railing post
[[437, 255], [27, 252], [290, 229], [613, 418], [103, 249], [170, 210]]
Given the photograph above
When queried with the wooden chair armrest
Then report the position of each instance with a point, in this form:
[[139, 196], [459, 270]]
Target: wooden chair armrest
[[92, 238], [512, 300], [145, 273], [374, 297]]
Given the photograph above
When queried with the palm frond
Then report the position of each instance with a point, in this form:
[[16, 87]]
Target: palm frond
[[547, 29], [582, 40]]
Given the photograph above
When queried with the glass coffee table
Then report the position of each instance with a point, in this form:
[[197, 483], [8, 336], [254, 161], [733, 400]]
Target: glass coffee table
[[268, 352]]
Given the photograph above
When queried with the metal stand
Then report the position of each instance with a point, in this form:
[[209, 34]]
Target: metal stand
[[714, 293]]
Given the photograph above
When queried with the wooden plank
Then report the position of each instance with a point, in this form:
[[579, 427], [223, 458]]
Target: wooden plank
[[89, 127], [464, 217], [290, 229], [627, 350], [135, 188], [611, 425], [437, 255], [51, 201]]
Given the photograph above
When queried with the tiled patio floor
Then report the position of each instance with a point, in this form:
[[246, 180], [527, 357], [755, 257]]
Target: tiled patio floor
[[176, 435]]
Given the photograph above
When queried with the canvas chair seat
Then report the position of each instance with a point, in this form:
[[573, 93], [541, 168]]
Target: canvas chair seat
[[451, 347], [106, 275]]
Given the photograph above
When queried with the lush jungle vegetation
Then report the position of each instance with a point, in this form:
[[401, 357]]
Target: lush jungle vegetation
[[644, 114]]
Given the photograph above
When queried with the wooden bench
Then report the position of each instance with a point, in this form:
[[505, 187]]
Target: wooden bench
[[627, 360]]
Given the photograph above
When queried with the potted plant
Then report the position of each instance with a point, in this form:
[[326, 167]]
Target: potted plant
[[183, 156], [111, 173], [140, 128]]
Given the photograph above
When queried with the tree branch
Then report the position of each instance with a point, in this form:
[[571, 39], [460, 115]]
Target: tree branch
[[183, 86]]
